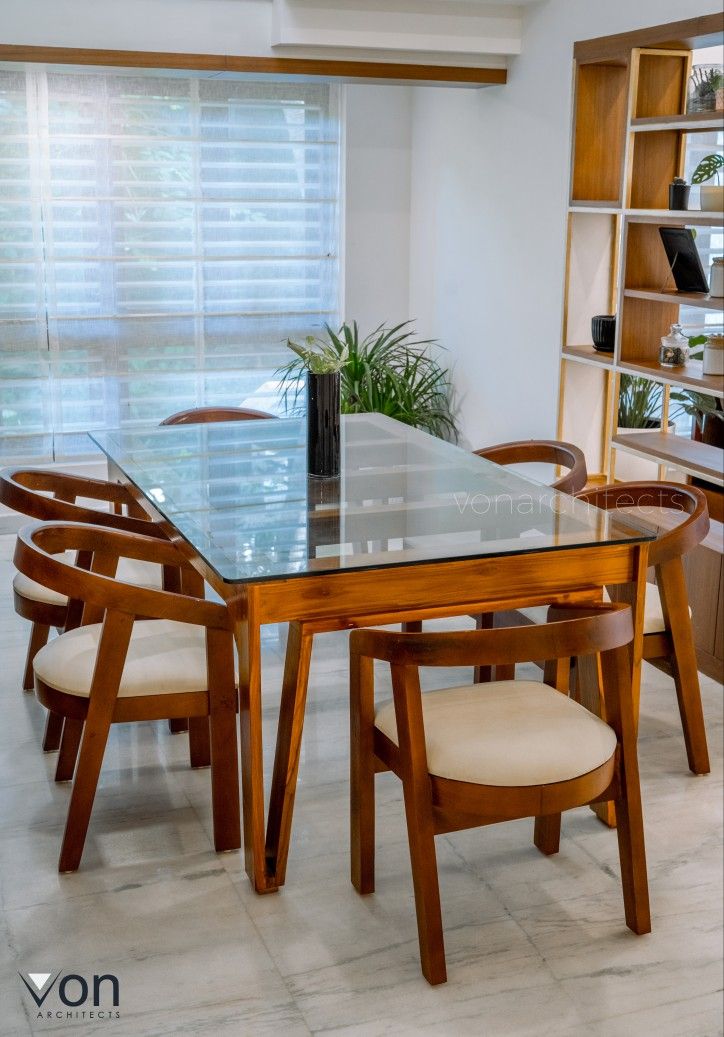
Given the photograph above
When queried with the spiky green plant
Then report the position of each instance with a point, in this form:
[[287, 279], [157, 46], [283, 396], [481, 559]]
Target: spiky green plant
[[639, 402], [390, 371]]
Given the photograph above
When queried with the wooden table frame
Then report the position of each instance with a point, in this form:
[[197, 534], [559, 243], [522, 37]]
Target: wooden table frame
[[319, 603]]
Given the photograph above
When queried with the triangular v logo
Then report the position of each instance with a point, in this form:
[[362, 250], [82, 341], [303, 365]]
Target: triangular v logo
[[39, 980]]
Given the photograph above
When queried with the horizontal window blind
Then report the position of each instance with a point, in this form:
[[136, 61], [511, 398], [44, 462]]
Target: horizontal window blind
[[160, 237]]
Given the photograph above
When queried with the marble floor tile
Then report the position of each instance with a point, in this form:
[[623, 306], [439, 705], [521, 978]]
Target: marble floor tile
[[535, 945]]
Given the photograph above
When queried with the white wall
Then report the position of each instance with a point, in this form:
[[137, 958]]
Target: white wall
[[377, 231], [489, 196]]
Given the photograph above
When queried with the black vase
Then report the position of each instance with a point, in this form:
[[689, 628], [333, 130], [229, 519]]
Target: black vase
[[323, 425], [603, 332]]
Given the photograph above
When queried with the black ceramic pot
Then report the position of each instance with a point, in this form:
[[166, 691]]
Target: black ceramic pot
[[323, 425], [603, 332], [679, 196]]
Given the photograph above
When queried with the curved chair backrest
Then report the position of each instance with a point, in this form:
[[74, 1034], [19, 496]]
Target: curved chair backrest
[[596, 628], [202, 415], [39, 555], [543, 451], [51, 496], [671, 543]]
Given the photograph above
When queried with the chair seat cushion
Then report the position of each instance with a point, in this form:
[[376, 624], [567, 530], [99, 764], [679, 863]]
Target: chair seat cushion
[[140, 574], [164, 657], [507, 733], [653, 612]]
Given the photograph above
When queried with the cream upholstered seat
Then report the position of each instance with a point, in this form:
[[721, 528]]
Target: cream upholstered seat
[[164, 658], [140, 574], [508, 733], [653, 611]]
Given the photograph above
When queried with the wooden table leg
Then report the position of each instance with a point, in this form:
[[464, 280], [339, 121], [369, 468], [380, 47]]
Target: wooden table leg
[[248, 641], [288, 748], [588, 676]]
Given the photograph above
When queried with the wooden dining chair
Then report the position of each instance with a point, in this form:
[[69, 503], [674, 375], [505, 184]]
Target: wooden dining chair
[[526, 451], [138, 654], [49, 495], [668, 636], [543, 451], [203, 415], [485, 753]]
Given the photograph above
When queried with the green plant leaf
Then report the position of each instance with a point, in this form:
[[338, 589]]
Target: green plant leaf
[[389, 372], [707, 168]]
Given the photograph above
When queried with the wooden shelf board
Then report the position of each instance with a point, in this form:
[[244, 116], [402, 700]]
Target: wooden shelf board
[[612, 207], [704, 302], [694, 122], [587, 355], [690, 218], [665, 448], [688, 377]]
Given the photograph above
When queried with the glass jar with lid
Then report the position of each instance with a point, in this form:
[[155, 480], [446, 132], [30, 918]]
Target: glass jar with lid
[[674, 350]]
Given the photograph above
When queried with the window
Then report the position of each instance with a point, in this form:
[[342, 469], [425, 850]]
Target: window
[[161, 235]]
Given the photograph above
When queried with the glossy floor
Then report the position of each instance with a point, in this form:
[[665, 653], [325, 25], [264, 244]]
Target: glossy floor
[[534, 945]]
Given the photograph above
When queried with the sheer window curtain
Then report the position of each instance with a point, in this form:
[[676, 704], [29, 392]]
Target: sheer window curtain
[[161, 235]]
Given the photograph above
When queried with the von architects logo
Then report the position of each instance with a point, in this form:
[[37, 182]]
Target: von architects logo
[[79, 997]]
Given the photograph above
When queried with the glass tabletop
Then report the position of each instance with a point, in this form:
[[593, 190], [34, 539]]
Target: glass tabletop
[[239, 493]]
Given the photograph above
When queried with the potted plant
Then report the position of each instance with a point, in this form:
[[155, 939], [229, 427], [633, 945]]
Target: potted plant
[[712, 195], [705, 89], [390, 371], [639, 410], [708, 423]]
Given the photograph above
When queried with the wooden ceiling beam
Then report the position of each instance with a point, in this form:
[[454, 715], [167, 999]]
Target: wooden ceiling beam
[[379, 71]]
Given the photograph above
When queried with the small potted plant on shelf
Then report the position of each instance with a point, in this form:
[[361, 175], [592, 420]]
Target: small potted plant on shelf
[[712, 195], [389, 371], [706, 93]]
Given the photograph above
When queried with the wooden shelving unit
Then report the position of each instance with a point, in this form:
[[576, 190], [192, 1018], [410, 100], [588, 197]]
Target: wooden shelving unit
[[629, 135], [630, 132]]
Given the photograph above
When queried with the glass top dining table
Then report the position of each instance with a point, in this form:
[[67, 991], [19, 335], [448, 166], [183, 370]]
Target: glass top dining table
[[239, 493], [413, 529]]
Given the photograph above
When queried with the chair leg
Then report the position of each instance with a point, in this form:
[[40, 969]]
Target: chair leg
[[675, 605], [421, 838], [547, 833], [112, 649], [87, 771], [632, 855], [616, 674], [288, 748], [483, 674], [177, 725], [69, 745], [505, 673], [199, 742], [224, 754], [38, 637], [362, 776], [53, 732], [412, 626]]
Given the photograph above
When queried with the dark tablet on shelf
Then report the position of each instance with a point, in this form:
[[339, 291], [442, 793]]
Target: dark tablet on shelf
[[684, 259]]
